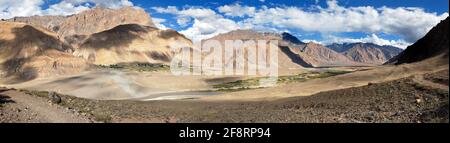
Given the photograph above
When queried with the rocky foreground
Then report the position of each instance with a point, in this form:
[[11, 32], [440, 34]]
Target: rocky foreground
[[416, 99]]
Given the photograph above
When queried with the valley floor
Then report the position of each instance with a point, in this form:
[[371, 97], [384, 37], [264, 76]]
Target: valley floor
[[124, 84], [419, 98]]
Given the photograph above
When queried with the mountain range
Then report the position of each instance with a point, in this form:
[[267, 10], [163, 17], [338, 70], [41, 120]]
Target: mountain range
[[102, 36], [71, 44], [314, 54], [368, 53]]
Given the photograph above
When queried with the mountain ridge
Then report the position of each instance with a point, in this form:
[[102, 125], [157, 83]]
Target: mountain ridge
[[130, 43], [434, 43], [89, 21], [299, 53], [42, 46], [368, 53], [27, 52]]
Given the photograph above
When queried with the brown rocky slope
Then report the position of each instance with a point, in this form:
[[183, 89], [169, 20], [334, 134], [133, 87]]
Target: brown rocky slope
[[27, 52], [287, 59], [50, 23], [434, 43], [90, 21], [110, 36], [367, 53], [101, 19], [320, 56], [130, 43]]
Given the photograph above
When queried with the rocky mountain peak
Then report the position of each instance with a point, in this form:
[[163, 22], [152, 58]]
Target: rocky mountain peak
[[288, 37], [312, 44]]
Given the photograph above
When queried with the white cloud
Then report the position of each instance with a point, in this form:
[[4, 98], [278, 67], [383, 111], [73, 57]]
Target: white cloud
[[237, 10], [169, 9], [199, 13], [206, 23], [103, 3], [311, 40], [189, 12], [10, 9], [183, 21], [65, 8], [373, 38], [158, 23], [409, 23]]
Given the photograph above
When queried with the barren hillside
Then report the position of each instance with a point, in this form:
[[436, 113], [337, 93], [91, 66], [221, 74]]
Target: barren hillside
[[90, 21], [367, 53], [435, 43], [130, 43], [287, 59], [319, 56], [51, 23], [101, 19], [27, 52]]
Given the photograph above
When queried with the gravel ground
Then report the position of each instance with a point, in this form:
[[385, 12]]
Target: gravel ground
[[397, 101]]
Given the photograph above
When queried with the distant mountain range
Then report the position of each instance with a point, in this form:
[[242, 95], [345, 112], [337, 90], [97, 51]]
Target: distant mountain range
[[317, 55], [368, 53]]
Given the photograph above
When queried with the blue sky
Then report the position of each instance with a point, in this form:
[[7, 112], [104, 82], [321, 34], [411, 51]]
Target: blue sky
[[384, 22], [438, 7]]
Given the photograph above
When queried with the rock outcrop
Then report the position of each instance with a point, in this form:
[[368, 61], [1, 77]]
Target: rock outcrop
[[51, 23]]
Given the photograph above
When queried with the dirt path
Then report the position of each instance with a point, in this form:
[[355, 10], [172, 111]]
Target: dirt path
[[40, 109], [421, 80]]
